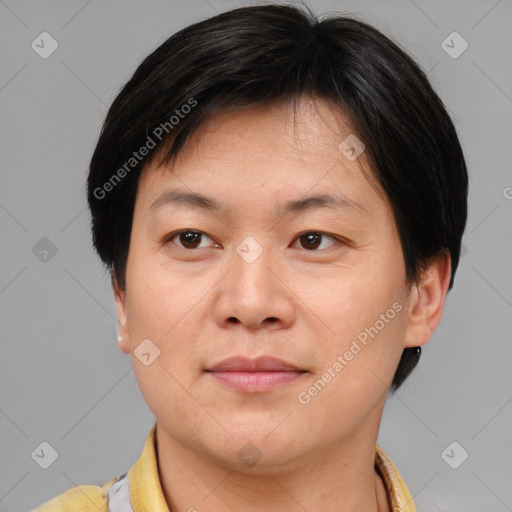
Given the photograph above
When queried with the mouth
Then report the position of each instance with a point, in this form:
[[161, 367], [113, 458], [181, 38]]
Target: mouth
[[259, 375]]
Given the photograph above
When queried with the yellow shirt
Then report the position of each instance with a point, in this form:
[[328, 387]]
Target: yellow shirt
[[143, 492]]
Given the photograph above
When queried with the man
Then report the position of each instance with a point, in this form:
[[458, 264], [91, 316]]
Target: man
[[280, 202]]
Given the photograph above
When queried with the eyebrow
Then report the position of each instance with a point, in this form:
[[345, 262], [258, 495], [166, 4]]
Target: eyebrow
[[200, 201]]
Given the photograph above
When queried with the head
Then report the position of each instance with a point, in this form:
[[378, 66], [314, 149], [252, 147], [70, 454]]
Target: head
[[257, 108]]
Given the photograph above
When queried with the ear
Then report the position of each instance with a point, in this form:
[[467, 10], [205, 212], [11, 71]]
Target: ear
[[122, 317], [427, 300]]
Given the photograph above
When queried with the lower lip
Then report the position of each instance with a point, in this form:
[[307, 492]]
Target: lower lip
[[256, 382]]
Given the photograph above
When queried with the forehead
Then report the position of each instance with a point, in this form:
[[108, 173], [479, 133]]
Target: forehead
[[272, 148], [312, 129]]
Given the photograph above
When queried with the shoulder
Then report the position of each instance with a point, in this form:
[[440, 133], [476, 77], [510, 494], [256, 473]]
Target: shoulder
[[85, 498]]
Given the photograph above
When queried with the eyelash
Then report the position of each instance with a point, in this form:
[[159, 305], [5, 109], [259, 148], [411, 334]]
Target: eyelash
[[177, 233]]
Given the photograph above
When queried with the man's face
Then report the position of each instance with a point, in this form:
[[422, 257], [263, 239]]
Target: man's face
[[322, 288]]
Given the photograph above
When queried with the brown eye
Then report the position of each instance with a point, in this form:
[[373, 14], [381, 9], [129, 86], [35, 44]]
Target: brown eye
[[312, 239], [188, 239]]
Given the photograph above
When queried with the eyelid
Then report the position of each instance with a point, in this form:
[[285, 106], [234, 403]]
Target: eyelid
[[167, 239], [336, 238]]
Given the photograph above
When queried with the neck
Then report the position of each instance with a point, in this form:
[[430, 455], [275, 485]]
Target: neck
[[330, 480]]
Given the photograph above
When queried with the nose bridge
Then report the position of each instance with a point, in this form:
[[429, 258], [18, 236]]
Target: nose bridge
[[251, 266]]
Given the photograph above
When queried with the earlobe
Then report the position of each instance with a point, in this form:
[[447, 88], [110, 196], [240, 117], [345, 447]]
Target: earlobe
[[122, 317], [427, 301]]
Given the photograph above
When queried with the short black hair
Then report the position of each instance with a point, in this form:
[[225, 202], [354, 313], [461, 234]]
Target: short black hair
[[251, 55]]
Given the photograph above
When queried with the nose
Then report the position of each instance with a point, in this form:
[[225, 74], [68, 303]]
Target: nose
[[255, 294]]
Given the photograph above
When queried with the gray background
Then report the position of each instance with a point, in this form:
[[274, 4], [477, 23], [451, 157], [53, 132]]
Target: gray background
[[63, 379]]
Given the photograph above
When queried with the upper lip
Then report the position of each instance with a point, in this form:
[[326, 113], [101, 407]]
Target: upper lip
[[248, 364]]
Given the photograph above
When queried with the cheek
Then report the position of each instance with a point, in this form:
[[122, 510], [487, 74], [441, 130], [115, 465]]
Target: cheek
[[355, 377], [169, 301], [366, 318], [355, 299], [159, 296]]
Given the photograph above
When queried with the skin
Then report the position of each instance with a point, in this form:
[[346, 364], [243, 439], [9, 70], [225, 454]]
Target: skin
[[306, 305]]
